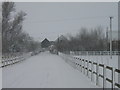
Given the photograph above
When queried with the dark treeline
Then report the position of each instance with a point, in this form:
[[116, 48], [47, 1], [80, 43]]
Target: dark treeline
[[89, 40], [14, 39], [85, 40]]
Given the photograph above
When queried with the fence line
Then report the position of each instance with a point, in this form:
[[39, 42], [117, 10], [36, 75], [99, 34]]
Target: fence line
[[94, 52], [88, 66], [10, 59]]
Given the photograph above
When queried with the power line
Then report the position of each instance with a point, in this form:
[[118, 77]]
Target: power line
[[69, 19]]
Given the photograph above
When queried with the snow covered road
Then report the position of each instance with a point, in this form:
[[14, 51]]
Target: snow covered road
[[44, 71]]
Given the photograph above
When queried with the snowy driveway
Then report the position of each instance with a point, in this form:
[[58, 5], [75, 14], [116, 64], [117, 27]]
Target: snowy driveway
[[44, 71]]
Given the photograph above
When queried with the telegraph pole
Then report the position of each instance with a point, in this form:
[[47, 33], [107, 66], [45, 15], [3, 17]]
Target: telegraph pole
[[111, 37], [107, 47]]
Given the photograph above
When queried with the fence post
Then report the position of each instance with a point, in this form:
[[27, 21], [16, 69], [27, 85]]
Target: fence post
[[97, 75], [91, 71], [81, 64], [112, 79], [84, 66], [104, 76], [87, 67]]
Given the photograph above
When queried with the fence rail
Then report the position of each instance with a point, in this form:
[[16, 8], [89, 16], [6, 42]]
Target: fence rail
[[10, 59], [90, 68], [94, 52]]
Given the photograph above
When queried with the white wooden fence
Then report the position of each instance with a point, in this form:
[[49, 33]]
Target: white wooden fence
[[95, 71], [10, 59], [94, 52]]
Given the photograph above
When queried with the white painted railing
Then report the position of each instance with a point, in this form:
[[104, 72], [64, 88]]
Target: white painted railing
[[94, 52], [10, 59], [98, 73]]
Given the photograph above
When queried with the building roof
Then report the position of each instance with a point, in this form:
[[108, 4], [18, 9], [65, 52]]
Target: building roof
[[45, 43]]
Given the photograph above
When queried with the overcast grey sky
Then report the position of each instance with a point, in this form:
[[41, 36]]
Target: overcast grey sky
[[48, 20]]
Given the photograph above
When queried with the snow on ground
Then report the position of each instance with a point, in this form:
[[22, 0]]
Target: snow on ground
[[44, 71]]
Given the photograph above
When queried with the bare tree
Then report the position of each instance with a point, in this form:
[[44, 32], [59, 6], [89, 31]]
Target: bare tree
[[13, 37]]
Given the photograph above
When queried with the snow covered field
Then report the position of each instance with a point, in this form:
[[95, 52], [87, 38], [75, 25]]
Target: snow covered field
[[44, 71]]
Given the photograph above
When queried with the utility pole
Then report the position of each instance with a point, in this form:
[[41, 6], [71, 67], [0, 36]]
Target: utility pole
[[58, 43], [111, 37], [107, 47]]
